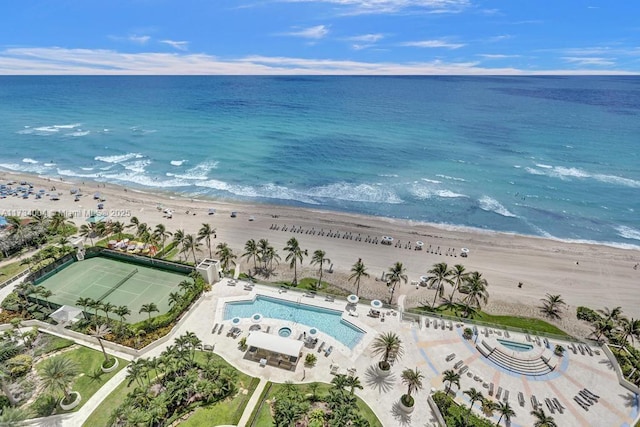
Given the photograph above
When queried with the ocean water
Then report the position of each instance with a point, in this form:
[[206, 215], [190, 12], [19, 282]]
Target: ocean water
[[546, 156]]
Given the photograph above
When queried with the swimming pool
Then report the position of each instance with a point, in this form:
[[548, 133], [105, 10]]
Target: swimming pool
[[515, 346], [325, 320]]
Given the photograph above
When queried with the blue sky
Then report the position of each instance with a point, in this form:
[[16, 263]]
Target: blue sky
[[320, 37]]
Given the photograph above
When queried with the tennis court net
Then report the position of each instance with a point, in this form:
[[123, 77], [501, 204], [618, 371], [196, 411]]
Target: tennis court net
[[117, 285]]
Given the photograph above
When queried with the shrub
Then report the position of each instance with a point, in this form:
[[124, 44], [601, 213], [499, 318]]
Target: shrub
[[45, 405], [310, 359], [467, 334], [585, 313], [559, 350], [242, 344], [407, 400], [19, 365]]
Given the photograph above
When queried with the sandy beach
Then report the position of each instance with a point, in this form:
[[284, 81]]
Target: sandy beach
[[584, 274]]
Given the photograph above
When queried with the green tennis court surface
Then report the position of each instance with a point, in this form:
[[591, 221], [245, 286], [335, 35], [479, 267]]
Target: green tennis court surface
[[120, 283]]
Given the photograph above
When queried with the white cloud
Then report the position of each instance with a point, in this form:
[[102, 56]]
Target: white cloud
[[318, 32], [367, 38], [180, 45], [60, 61], [433, 44], [394, 6], [586, 61], [497, 56], [139, 39]]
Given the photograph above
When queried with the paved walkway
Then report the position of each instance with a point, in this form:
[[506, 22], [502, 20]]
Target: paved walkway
[[252, 402]]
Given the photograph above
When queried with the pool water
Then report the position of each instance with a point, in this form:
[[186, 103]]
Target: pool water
[[284, 332], [325, 320], [515, 346]]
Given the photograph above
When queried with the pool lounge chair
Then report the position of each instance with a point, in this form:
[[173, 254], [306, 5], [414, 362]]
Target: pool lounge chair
[[268, 329], [329, 298], [334, 369], [521, 398], [215, 328], [328, 351], [450, 357], [499, 393], [321, 347], [506, 396], [221, 328], [490, 389], [464, 369], [534, 402], [458, 364]]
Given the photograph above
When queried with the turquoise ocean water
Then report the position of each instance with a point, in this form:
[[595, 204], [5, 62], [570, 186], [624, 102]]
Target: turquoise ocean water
[[545, 156]]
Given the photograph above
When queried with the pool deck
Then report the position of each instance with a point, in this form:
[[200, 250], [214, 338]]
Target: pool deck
[[426, 348]]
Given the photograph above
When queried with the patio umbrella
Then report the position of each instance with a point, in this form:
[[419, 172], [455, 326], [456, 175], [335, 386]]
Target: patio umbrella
[[376, 303], [353, 299], [256, 318]]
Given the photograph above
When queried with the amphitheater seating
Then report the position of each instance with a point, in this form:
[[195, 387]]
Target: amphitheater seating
[[531, 367]]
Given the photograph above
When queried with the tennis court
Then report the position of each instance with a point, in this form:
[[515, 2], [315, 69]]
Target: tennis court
[[120, 283]]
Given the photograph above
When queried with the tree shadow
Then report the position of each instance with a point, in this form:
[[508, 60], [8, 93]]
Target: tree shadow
[[378, 382], [606, 362], [403, 418], [630, 400]]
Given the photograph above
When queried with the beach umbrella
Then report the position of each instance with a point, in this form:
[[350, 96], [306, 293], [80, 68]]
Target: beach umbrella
[[353, 299], [465, 250], [376, 303], [419, 244], [313, 332], [256, 318]]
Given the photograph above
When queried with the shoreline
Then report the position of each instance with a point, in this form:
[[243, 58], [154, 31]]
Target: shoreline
[[591, 274]]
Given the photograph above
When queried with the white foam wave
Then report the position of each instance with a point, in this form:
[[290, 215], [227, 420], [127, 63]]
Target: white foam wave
[[137, 166], [453, 178], [433, 181], [562, 172], [79, 133], [28, 160], [356, 193], [71, 126], [147, 181], [426, 192], [388, 175], [87, 169], [543, 166], [49, 164], [271, 191], [449, 194], [628, 232], [48, 129], [177, 162], [198, 172], [26, 167], [118, 158], [492, 205], [69, 172]]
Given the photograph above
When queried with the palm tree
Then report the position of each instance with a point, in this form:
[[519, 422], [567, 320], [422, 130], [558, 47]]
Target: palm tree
[[611, 314], [452, 377], [318, 258], [117, 228], [205, 234], [251, 251], [160, 232], [134, 222], [339, 382], [458, 274], [174, 299], [57, 374], [358, 270], [353, 383], [552, 306], [412, 378], [99, 332], [476, 288], [149, 308], [59, 221], [475, 396], [542, 419], [190, 243], [295, 254], [505, 410], [122, 311], [488, 406], [107, 307], [44, 293], [95, 305], [226, 255], [395, 274], [601, 326], [87, 231], [389, 346], [439, 274], [83, 302], [178, 238], [629, 328]]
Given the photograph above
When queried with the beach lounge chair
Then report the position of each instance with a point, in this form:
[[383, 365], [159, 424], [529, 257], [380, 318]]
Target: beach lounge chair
[[321, 347], [328, 351]]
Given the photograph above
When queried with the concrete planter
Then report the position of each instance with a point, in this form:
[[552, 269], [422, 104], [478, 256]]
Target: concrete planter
[[111, 368], [406, 409], [382, 372], [76, 401]]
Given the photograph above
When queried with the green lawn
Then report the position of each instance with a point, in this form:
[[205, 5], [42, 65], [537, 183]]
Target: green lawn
[[100, 417], [52, 343], [10, 270], [88, 361], [263, 416], [527, 323], [308, 283]]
